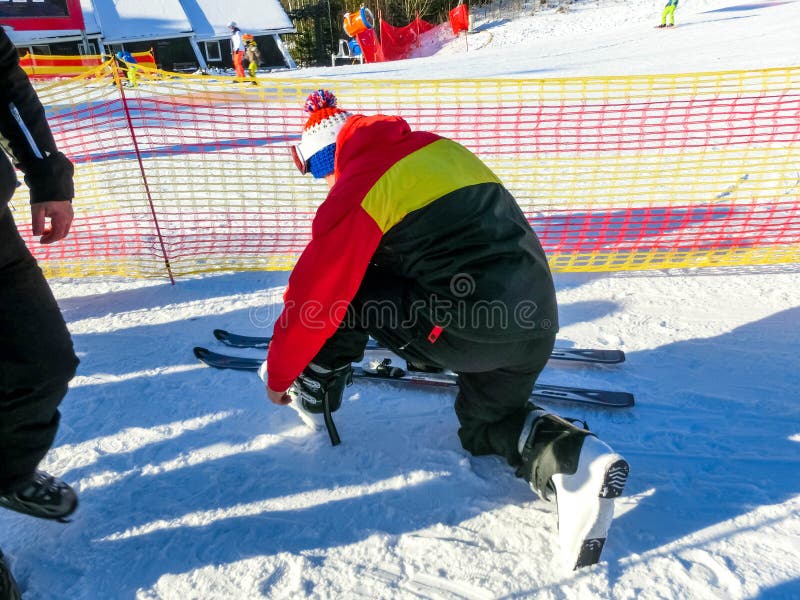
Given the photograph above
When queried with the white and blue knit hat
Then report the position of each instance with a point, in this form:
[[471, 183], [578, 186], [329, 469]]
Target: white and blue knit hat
[[318, 141]]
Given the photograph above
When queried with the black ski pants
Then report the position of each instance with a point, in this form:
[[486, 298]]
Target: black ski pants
[[36, 359], [495, 378]]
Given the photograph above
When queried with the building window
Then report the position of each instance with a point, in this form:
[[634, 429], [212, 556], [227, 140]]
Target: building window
[[213, 52], [90, 48]]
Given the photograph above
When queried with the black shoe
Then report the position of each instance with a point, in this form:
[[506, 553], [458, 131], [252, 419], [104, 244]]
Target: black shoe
[[8, 587], [42, 496]]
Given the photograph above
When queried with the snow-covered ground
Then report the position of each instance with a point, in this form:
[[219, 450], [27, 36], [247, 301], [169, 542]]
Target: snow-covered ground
[[193, 486]]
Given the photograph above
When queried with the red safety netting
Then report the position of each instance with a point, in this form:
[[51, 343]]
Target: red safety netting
[[398, 42], [370, 46]]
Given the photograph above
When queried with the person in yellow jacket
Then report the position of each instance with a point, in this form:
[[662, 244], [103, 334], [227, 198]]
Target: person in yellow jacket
[[251, 53], [669, 11], [128, 63]]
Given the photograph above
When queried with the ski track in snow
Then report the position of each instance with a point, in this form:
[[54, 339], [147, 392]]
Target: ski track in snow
[[193, 486]]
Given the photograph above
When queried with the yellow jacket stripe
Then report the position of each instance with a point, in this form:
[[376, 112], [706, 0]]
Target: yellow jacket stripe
[[437, 169]]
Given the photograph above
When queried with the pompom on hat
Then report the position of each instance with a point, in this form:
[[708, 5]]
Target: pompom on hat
[[316, 151]]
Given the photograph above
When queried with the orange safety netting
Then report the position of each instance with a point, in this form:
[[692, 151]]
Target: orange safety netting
[[191, 174], [54, 65]]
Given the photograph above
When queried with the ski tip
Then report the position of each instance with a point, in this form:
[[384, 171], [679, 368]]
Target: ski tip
[[592, 356], [221, 334], [620, 400], [623, 400], [200, 352]]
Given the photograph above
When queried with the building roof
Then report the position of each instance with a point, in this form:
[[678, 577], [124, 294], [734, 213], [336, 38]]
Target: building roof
[[117, 21]]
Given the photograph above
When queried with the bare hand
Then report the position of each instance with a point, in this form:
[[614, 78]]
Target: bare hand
[[60, 214], [278, 397]]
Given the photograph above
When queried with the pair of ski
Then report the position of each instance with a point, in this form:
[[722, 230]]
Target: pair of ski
[[380, 368], [584, 516]]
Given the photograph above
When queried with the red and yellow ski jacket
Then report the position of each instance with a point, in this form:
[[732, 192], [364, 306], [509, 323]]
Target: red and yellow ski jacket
[[463, 220]]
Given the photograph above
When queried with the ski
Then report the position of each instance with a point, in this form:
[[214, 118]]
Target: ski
[[582, 355], [384, 371]]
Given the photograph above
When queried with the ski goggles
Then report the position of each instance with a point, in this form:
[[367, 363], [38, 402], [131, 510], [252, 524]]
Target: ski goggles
[[300, 161], [321, 138]]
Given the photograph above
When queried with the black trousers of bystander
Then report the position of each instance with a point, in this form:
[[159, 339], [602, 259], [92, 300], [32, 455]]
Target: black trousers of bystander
[[37, 359]]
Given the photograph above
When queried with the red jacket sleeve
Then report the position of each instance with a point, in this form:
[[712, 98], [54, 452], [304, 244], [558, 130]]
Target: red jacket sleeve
[[321, 286], [344, 238]]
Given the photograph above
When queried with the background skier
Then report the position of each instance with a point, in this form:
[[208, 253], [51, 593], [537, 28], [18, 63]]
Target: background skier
[[252, 54], [237, 48], [420, 245], [128, 64], [669, 12]]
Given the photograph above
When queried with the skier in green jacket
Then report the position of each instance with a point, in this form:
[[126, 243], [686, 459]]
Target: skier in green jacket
[[669, 11]]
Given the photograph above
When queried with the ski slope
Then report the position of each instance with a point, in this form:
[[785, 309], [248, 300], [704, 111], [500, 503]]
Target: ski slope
[[607, 37], [193, 486]]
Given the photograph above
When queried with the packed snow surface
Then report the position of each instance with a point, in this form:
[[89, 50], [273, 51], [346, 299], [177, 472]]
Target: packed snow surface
[[193, 486]]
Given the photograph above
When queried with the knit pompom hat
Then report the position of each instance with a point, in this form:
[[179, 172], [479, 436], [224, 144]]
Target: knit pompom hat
[[318, 141]]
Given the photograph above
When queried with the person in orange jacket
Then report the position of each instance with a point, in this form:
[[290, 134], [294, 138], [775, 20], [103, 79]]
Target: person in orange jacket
[[237, 48]]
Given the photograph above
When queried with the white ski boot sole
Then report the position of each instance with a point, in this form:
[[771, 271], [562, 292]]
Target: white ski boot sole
[[314, 421], [585, 502]]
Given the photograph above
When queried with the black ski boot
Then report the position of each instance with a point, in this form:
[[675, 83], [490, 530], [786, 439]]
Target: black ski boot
[[42, 496], [8, 587], [317, 384], [318, 392], [562, 459]]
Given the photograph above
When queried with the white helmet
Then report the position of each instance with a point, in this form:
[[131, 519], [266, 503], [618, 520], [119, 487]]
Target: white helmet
[[232, 25]]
